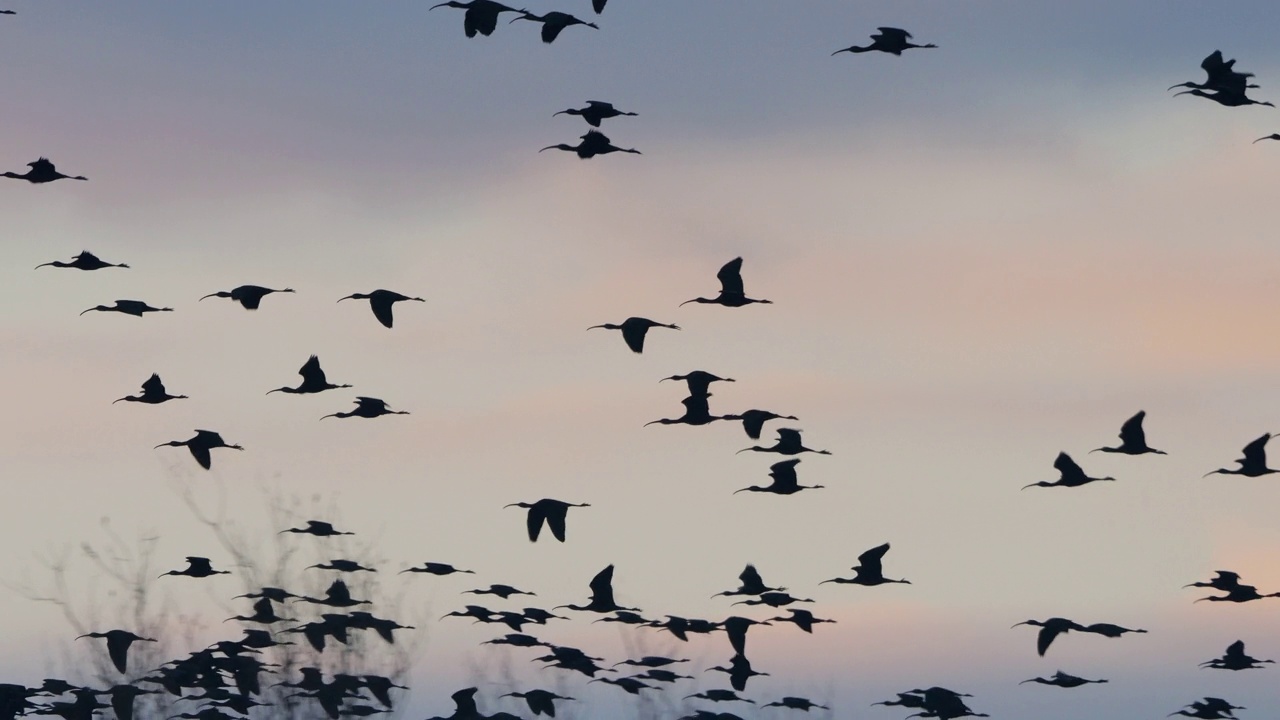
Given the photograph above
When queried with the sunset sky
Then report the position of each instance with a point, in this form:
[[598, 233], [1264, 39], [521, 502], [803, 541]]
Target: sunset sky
[[979, 256]]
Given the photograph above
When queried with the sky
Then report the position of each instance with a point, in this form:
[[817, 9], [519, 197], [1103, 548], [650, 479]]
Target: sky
[[978, 256]]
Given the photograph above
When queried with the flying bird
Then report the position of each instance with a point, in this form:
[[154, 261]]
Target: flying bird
[[200, 445], [753, 421], [381, 301], [1062, 680], [153, 393], [436, 569], [1050, 629], [696, 412], [796, 703], [1254, 462], [1071, 474], [593, 143], [788, 444], [868, 570], [197, 567], [1226, 98], [84, 261], [1235, 659], [750, 584], [368, 407], [595, 112], [784, 480], [129, 307], [313, 380], [42, 171], [1220, 75], [249, 296], [633, 330], [118, 643], [553, 22], [540, 702], [731, 291], [802, 619], [698, 381], [481, 16], [319, 528], [502, 591], [601, 595], [1133, 441], [888, 40], [548, 511]]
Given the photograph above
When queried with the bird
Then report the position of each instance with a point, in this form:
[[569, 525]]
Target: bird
[[1108, 630], [200, 445], [1239, 594], [118, 643], [1272, 136], [868, 570], [784, 480], [502, 591], [1254, 462], [14, 12], [517, 640], [1050, 629], [633, 330], [153, 393], [1220, 75], [736, 628], [796, 703], [540, 702], [337, 595], [773, 600], [343, 566], [313, 380], [481, 16], [593, 143], [698, 381], [802, 619], [1235, 659], [753, 421], [548, 511], [381, 301], [696, 412], [890, 40], [1226, 98], [788, 444], [660, 675], [197, 567], [601, 595], [731, 292], [84, 261], [1224, 580], [595, 112], [553, 22], [437, 569], [1133, 441], [1071, 474], [122, 697], [739, 672], [263, 612], [751, 584], [1062, 679], [129, 307], [629, 684], [651, 661], [1211, 708], [42, 171], [249, 296], [718, 695], [367, 407], [319, 528]]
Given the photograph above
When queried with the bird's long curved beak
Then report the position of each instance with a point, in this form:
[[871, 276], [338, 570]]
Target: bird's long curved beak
[[593, 327], [349, 297], [562, 112], [160, 446], [329, 416], [549, 147], [207, 296], [1024, 487], [433, 7], [686, 302], [840, 51], [37, 268], [88, 310], [735, 492], [113, 402]]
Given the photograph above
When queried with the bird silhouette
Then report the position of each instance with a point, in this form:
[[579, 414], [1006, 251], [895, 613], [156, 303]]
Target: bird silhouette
[[595, 112], [1211, 708], [337, 595], [1071, 474], [517, 640], [633, 330], [15, 12], [802, 619], [341, 565], [1224, 580], [718, 695], [367, 407], [651, 661], [319, 528], [200, 445], [630, 684], [540, 702], [1272, 136], [889, 40], [696, 412], [548, 511], [739, 672], [1235, 659], [123, 697], [698, 381], [773, 600], [42, 171], [1108, 630], [868, 570], [437, 569], [751, 584], [796, 703], [731, 292], [502, 591], [736, 628], [788, 444], [1050, 629], [129, 307], [380, 301], [1227, 98], [593, 143], [753, 421], [197, 567], [1061, 679], [84, 261], [1254, 462], [263, 612], [481, 16], [784, 480], [249, 296], [153, 393], [553, 22], [1133, 441], [313, 380], [1219, 75], [660, 675], [1239, 594], [601, 595], [118, 643]]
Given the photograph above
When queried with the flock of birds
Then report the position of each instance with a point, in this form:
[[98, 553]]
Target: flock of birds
[[226, 678]]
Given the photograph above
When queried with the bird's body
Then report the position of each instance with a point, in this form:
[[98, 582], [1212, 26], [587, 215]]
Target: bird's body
[[553, 22], [1071, 474], [1133, 440], [1235, 659], [313, 380], [319, 528], [502, 591], [380, 301], [546, 511], [802, 619], [753, 421], [1220, 75], [869, 570], [784, 480], [197, 567], [249, 296], [135, 308], [153, 393], [1050, 629], [432, 568], [1254, 462], [595, 112], [200, 445], [341, 565], [481, 16], [1226, 98], [789, 443], [593, 143], [751, 584], [42, 171], [540, 702], [368, 407], [773, 600], [634, 330], [698, 382], [731, 289], [84, 261], [1061, 679], [888, 40], [697, 411], [796, 703], [118, 643], [601, 595]]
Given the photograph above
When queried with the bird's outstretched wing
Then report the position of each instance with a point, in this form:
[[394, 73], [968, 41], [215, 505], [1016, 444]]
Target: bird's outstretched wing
[[1131, 432], [153, 386], [871, 560], [730, 277]]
